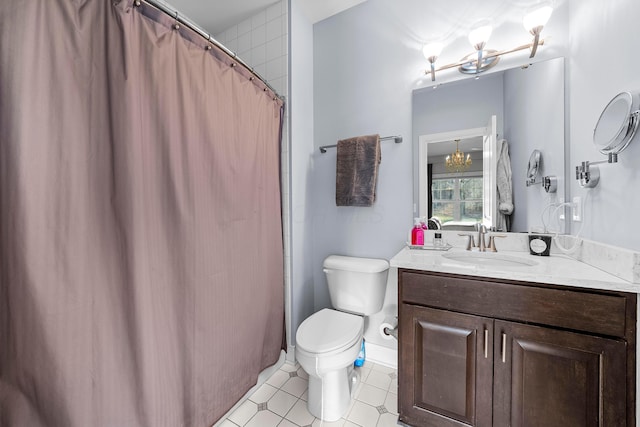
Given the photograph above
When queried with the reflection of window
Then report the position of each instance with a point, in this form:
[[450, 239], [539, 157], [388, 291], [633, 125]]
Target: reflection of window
[[457, 199]]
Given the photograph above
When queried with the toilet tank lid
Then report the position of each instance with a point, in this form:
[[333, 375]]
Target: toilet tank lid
[[361, 265]]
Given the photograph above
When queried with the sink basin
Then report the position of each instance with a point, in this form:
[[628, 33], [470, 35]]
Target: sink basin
[[490, 259]]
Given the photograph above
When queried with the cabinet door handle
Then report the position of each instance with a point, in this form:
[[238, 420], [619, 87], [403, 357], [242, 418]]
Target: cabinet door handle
[[486, 343], [504, 347]]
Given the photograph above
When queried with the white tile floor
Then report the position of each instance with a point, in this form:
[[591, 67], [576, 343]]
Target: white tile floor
[[282, 401]]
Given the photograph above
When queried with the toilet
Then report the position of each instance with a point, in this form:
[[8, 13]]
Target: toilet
[[328, 342]]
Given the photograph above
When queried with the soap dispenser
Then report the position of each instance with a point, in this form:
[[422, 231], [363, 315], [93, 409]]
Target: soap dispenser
[[417, 234]]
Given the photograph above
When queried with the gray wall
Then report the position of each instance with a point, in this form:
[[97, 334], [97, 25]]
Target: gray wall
[[356, 92], [367, 62], [604, 27]]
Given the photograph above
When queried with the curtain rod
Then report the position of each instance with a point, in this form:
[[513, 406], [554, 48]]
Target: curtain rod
[[158, 4], [397, 139]]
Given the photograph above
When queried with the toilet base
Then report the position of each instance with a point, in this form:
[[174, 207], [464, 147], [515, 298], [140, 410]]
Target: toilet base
[[330, 396]]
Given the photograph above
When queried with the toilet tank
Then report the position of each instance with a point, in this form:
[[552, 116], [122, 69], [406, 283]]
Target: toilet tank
[[356, 285]]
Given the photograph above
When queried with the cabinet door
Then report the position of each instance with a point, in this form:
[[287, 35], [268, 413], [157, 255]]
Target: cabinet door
[[553, 378], [446, 368]]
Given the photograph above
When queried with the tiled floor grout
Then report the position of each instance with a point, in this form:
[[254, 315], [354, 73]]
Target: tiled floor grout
[[281, 401]]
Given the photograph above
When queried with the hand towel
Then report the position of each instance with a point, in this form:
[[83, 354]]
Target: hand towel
[[357, 170]]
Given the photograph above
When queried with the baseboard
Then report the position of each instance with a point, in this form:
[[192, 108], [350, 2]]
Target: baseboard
[[381, 355], [291, 354]]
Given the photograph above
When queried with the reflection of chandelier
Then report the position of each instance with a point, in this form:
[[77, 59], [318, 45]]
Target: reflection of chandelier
[[456, 162]]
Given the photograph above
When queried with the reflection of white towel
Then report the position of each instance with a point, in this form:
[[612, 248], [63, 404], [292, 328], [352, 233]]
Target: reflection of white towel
[[505, 190]]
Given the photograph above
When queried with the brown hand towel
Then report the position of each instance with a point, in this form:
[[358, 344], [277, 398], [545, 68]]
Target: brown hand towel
[[357, 170]]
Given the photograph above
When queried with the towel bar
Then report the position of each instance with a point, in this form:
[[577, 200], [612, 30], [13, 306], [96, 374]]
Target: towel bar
[[397, 139]]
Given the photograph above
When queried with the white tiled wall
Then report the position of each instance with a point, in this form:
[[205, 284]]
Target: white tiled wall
[[261, 42]]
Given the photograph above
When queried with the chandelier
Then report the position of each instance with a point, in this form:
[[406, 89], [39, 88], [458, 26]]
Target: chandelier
[[456, 162]]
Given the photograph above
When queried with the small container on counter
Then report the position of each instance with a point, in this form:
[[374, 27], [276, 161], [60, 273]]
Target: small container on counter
[[539, 244]]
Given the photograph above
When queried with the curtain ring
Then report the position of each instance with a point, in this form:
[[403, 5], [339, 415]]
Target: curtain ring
[[176, 25], [208, 46], [136, 3]]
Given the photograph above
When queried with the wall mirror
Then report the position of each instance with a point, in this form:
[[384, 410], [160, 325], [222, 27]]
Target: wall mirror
[[617, 124], [528, 105]]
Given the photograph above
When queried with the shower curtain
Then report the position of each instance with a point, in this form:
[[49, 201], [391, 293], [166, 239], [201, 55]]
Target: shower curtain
[[141, 262]]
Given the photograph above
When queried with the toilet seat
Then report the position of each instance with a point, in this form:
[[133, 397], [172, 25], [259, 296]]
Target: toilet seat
[[329, 331]]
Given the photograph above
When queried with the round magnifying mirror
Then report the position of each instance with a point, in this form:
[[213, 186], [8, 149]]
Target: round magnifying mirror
[[534, 165], [617, 124]]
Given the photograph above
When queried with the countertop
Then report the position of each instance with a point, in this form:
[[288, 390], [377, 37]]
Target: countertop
[[555, 269]]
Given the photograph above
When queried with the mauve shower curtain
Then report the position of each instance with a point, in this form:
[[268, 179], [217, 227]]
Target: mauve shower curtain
[[141, 262]]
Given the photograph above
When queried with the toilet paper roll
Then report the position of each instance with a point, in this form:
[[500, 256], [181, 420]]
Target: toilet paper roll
[[390, 323]]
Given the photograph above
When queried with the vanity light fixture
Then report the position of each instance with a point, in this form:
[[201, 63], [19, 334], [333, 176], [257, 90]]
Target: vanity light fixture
[[478, 37], [534, 22], [483, 59], [456, 161], [431, 51]]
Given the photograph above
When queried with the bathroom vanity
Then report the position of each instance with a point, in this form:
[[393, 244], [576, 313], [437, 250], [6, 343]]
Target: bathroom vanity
[[549, 342]]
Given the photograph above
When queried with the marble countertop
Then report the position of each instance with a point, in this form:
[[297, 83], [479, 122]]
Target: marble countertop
[[556, 269]]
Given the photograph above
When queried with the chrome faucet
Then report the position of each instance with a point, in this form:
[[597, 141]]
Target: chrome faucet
[[471, 243], [482, 230], [482, 246]]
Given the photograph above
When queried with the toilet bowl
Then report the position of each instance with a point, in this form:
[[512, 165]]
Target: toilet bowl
[[328, 342]]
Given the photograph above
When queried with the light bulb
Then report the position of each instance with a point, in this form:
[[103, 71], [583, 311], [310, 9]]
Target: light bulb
[[431, 51], [536, 19], [479, 36]]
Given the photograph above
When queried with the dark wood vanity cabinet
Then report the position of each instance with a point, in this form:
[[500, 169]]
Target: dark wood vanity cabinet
[[443, 377], [488, 352]]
